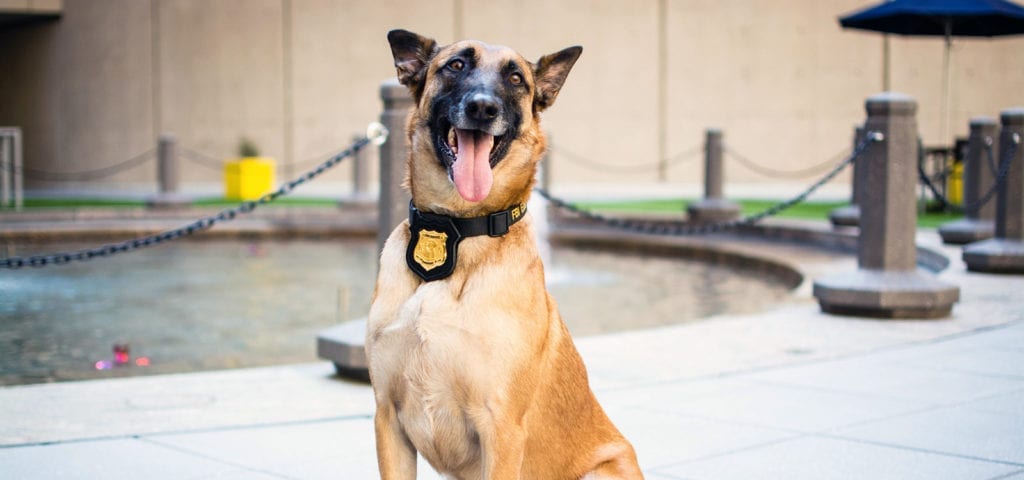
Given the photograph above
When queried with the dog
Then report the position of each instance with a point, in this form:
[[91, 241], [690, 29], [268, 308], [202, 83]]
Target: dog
[[471, 365]]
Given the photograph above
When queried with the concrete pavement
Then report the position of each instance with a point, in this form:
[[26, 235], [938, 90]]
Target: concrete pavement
[[786, 393]]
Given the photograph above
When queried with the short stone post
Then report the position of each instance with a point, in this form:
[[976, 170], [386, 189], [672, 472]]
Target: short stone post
[[978, 177], [1005, 252], [167, 175], [344, 344], [393, 204], [545, 167], [11, 192], [5, 172], [713, 207], [360, 179], [849, 215], [887, 283]]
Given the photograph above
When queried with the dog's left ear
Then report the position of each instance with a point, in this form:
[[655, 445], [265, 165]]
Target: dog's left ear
[[550, 73], [412, 54]]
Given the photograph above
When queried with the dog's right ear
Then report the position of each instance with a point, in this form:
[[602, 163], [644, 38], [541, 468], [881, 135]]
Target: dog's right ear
[[412, 54]]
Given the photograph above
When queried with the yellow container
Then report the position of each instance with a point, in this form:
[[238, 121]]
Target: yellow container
[[955, 184], [248, 178]]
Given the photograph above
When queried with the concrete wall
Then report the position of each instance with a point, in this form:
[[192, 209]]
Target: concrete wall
[[300, 77]]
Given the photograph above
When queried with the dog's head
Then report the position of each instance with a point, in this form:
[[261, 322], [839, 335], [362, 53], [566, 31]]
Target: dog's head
[[474, 133]]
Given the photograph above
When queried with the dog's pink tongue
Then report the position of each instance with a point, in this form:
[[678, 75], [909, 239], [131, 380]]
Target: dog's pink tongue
[[472, 168]]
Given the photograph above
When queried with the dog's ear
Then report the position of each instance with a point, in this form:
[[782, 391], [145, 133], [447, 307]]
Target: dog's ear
[[412, 54], [550, 73]]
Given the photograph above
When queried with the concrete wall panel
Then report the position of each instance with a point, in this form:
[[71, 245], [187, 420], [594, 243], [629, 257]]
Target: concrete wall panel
[[221, 77], [339, 57], [104, 87], [607, 110], [782, 79]]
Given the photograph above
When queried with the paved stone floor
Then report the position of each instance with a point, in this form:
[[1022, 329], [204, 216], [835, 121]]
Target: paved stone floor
[[788, 393]]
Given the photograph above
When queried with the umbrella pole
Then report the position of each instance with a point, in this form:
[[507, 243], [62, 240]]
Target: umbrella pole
[[886, 60], [945, 83]]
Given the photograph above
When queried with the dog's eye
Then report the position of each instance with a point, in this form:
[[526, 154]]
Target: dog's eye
[[456, 65], [515, 79]]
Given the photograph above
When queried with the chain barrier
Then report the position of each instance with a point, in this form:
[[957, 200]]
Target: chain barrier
[[207, 161], [213, 163], [87, 175], [677, 159], [376, 134], [680, 229], [1001, 174], [784, 174]]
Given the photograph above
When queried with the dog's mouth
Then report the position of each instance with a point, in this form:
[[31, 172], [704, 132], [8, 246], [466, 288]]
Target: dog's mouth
[[469, 156]]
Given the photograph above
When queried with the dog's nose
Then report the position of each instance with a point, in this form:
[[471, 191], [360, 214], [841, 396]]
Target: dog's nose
[[482, 106]]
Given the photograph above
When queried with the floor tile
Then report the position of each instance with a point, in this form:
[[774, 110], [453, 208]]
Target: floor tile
[[322, 450], [955, 430], [882, 378], [791, 408], [103, 460], [815, 458], [662, 438], [1007, 404], [982, 360]]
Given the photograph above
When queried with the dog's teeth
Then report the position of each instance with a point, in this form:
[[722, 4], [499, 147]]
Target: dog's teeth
[[453, 140]]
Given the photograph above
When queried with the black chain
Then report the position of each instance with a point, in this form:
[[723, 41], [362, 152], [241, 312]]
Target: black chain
[[201, 159], [196, 226], [85, 175], [973, 207], [680, 229], [677, 159], [788, 174]]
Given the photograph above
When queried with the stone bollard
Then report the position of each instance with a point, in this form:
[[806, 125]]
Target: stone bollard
[[360, 178], [978, 177], [393, 203], [713, 207], [344, 344], [887, 283], [1005, 252], [167, 175], [544, 172], [849, 215]]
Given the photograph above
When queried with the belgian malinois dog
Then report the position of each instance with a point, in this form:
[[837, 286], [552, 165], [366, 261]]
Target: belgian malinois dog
[[472, 366]]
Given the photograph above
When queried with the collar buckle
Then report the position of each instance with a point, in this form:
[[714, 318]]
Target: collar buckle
[[498, 223]]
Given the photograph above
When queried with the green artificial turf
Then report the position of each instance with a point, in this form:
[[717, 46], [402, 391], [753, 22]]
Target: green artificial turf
[[812, 210]]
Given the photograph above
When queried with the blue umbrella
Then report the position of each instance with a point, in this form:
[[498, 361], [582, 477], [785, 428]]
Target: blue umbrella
[[945, 18]]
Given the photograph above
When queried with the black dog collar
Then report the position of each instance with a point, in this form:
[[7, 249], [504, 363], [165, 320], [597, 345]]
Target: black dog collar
[[434, 243]]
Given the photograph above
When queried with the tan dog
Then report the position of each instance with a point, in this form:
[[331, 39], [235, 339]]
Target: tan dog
[[470, 362]]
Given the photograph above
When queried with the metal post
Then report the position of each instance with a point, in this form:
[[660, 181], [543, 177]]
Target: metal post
[[978, 177], [713, 208], [360, 173], [849, 215], [5, 169], [167, 163], [167, 175], [393, 204], [16, 170], [887, 283], [11, 185], [1005, 252], [545, 168]]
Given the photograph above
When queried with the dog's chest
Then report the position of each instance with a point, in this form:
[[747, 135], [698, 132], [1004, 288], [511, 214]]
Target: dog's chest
[[446, 356]]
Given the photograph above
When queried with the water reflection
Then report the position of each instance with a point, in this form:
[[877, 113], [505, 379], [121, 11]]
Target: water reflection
[[201, 305]]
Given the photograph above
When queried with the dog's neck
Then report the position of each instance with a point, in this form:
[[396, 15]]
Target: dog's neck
[[433, 249]]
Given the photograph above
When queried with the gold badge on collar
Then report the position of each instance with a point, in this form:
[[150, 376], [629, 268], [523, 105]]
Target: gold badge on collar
[[431, 249]]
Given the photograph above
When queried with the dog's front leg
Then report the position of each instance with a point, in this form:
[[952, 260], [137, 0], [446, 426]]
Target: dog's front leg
[[502, 444], [396, 456]]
